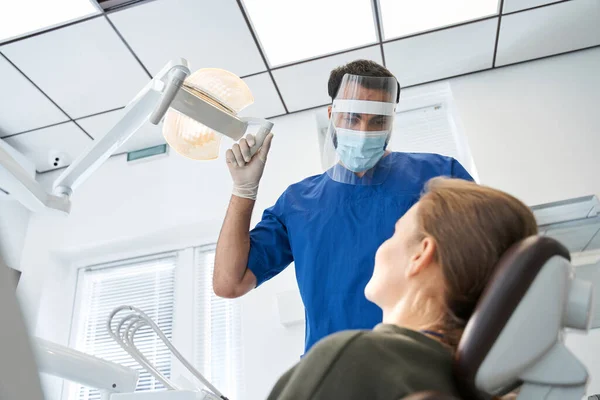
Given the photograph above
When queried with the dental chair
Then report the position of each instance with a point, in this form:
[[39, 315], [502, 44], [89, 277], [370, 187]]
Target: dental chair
[[515, 336]]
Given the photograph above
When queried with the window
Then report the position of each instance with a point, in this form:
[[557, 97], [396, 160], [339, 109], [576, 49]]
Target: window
[[147, 283], [217, 330], [168, 287], [432, 129], [426, 130]]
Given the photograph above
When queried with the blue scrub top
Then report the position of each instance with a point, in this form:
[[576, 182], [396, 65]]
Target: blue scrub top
[[331, 231]]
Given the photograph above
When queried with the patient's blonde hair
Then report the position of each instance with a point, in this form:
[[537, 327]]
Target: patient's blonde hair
[[472, 227]]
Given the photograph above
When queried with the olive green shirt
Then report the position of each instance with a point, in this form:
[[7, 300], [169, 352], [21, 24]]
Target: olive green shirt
[[387, 363]]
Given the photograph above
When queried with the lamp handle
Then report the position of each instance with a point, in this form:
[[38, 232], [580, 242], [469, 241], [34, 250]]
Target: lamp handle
[[176, 77], [263, 130]]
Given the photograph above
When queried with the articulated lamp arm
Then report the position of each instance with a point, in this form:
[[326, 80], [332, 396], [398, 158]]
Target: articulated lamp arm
[[150, 104]]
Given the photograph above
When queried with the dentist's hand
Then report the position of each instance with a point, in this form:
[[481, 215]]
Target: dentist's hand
[[246, 170]]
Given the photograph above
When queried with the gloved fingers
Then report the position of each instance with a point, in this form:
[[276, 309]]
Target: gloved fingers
[[266, 146], [245, 150], [238, 155], [230, 157], [251, 139]]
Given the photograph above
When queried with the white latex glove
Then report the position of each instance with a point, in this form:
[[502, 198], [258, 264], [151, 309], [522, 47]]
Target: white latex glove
[[246, 171]]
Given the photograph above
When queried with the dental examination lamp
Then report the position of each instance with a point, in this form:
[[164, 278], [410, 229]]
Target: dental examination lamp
[[197, 109]]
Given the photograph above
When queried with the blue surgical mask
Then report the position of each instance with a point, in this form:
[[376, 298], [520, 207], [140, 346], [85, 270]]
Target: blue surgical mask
[[359, 151]]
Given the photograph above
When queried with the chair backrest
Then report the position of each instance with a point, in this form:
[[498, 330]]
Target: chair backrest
[[517, 321], [429, 396]]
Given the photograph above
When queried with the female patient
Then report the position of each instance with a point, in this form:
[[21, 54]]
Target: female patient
[[427, 280]]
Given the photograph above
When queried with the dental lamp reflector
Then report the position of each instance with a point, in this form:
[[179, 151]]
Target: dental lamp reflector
[[214, 97]]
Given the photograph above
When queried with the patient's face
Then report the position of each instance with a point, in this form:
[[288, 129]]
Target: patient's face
[[391, 261]]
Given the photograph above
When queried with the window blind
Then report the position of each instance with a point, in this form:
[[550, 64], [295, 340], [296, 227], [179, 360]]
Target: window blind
[[425, 130], [217, 330], [146, 283]]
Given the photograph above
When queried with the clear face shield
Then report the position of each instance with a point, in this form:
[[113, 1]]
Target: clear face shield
[[360, 127]]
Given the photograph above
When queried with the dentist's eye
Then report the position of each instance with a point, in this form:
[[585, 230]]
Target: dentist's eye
[[380, 122]]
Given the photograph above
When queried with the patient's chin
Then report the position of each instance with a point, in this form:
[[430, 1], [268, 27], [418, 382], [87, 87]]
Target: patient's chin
[[370, 291]]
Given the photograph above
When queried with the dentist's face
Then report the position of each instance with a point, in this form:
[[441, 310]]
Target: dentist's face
[[363, 122]]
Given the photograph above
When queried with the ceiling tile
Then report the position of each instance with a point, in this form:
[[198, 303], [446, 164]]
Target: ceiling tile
[[27, 16], [99, 125], [66, 141], [403, 18], [305, 85], [207, 33], [22, 106], [442, 54], [266, 100], [549, 30], [294, 31], [517, 5], [85, 68]]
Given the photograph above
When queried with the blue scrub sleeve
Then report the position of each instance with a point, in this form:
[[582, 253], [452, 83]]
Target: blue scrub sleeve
[[270, 250], [458, 171]]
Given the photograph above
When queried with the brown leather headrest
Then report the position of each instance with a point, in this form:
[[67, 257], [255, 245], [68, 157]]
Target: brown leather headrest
[[516, 271]]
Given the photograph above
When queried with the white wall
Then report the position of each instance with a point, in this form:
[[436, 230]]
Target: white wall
[[534, 128], [14, 219]]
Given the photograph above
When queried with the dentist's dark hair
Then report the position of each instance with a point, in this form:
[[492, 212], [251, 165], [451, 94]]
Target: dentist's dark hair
[[359, 67]]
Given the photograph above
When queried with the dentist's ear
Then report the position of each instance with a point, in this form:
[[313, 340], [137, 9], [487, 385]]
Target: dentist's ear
[[329, 111]]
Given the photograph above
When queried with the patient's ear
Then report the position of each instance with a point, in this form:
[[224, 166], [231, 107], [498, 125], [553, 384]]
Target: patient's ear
[[423, 256], [329, 111]]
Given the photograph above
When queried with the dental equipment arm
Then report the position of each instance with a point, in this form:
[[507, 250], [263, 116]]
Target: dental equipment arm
[[151, 103], [20, 184], [83, 368], [124, 334]]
